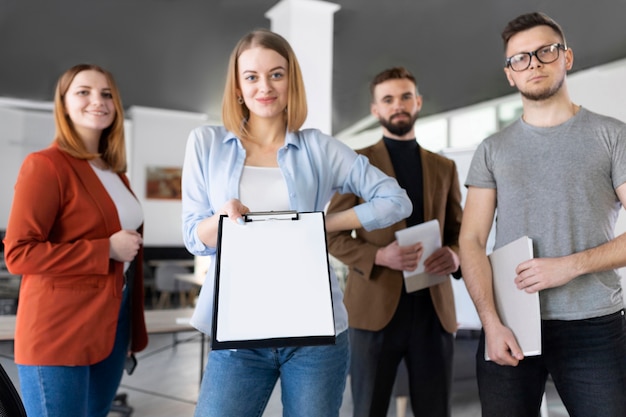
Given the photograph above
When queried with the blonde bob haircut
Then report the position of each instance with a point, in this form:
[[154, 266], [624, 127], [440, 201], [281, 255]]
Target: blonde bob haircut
[[235, 115], [111, 148]]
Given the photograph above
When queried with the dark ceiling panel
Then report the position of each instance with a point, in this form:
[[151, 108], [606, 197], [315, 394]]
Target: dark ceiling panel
[[173, 53]]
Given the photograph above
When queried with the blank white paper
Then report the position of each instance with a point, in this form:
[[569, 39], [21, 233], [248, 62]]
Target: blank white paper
[[274, 279]]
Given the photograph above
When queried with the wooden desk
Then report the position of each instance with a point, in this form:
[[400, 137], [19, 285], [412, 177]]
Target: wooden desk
[[6, 274], [169, 321], [157, 321], [7, 327]]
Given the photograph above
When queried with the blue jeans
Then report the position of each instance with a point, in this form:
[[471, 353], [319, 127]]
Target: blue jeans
[[240, 382], [587, 362], [77, 391]]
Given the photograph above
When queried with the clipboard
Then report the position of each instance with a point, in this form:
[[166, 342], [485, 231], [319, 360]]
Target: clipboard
[[272, 282], [430, 235], [518, 310]]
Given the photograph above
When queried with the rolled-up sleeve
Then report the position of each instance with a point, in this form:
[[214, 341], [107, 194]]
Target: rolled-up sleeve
[[196, 205], [386, 202]]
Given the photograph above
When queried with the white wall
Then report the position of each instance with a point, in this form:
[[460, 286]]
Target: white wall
[[10, 140], [157, 138], [21, 132], [601, 89]]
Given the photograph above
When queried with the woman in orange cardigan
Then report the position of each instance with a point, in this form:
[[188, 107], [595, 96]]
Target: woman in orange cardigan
[[74, 234]]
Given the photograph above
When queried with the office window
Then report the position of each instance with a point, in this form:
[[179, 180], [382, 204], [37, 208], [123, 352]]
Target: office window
[[432, 134], [509, 112], [472, 126]]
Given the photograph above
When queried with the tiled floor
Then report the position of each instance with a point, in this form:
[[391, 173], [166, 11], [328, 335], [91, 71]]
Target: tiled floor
[[165, 383]]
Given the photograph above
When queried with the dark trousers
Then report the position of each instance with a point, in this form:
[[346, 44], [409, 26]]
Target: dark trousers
[[586, 360], [416, 335]]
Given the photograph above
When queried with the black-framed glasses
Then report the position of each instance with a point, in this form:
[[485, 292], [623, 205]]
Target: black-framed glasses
[[546, 55]]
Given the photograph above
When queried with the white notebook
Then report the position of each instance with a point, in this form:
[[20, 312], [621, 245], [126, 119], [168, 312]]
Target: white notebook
[[518, 310], [429, 234]]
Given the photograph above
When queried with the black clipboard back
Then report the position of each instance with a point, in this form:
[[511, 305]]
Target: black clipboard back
[[278, 342]]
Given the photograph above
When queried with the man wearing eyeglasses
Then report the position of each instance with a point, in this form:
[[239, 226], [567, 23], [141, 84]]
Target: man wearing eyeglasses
[[557, 175]]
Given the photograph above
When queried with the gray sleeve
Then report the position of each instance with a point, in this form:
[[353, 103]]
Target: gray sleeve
[[480, 172], [618, 157]]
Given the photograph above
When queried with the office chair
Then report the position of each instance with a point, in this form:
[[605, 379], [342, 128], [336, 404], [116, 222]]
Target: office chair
[[10, 401], [167, 284]]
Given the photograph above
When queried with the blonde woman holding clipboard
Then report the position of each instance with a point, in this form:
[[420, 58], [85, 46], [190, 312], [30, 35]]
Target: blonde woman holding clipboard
[[261, 161]]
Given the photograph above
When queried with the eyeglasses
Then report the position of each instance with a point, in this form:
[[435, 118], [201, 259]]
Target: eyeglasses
[[546, 55]]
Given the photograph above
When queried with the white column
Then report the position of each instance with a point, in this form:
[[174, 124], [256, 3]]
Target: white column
[[308, 26]]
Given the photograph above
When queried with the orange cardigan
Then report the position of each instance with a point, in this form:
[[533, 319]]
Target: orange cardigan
[[57, 238]]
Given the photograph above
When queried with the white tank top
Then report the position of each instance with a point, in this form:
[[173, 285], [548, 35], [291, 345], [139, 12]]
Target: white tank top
[[128, 208], [263, 189]]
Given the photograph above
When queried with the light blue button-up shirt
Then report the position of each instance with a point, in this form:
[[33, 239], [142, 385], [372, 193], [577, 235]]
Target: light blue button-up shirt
[[314, 166]]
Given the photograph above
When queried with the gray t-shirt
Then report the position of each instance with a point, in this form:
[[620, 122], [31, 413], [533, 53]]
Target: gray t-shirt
[[557, 186]]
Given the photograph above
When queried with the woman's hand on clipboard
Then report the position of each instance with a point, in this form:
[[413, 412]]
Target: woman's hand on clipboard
[[235, 210], [207, 229]]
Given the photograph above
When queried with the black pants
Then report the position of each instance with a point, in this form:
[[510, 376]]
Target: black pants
[[587, 362], [415, 334]]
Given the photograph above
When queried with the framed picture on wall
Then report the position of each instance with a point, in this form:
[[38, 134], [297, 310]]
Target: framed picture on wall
[[163, 183]]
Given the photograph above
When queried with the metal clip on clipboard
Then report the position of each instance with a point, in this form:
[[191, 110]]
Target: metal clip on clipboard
[[271, 215]]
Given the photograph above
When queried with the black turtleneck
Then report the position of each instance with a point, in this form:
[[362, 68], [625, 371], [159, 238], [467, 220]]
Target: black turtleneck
[[407, 163]]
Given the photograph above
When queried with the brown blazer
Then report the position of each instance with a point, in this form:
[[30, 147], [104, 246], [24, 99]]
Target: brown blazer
[[58, 240], [372, 292]]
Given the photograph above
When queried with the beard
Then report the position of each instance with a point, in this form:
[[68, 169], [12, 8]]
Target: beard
[[400, 128], [543, 94]]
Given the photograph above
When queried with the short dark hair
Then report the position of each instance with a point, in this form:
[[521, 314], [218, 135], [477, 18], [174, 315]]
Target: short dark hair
[[529, 21], [395, 73]]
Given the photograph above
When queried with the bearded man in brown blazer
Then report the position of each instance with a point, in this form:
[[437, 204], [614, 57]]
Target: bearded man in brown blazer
[[387, 324]]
